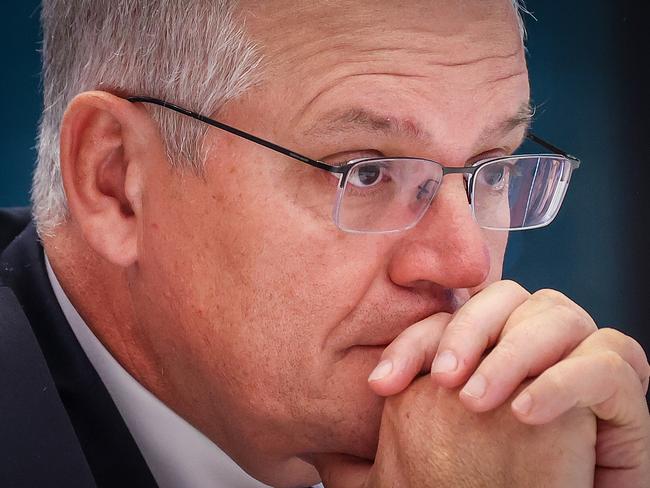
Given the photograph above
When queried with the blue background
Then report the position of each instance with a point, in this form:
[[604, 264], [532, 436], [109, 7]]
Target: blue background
[[584, 64]]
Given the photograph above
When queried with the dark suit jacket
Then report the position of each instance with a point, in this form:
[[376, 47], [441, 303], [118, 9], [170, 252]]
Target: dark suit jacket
[[58, 425]]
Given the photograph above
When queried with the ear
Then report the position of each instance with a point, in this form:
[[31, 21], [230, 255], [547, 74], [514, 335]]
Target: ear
[[105, 140]]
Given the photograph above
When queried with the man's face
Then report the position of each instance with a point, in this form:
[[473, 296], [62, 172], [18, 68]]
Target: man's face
[[264, 317]]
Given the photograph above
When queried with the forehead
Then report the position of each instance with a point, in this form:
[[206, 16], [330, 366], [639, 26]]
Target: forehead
[[446, 32], [338, 55]]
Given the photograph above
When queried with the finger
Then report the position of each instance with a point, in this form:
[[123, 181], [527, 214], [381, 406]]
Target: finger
[[607, 373], [340, 471], [608, 348], [526, 350], [408, 355], [474, 328], [604, 383], [626, 347]]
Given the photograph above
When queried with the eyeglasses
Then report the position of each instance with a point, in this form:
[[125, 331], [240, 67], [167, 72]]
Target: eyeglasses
[[384, 195]]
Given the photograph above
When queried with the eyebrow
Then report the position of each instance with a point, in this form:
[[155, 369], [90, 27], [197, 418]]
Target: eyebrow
[[523, 118], [340, 121]]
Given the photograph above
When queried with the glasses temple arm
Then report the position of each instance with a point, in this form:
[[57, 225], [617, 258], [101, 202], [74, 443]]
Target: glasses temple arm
[[547, 145], [287, 152], [235, 131]]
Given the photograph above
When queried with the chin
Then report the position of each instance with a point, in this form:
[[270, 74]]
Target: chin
[[359, 419]]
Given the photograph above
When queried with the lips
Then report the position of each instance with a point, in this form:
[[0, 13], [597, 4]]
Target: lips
[[373, 346], [369, 337], [379, 317]]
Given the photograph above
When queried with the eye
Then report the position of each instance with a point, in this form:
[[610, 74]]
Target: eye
[[494, 176], [367, 175]]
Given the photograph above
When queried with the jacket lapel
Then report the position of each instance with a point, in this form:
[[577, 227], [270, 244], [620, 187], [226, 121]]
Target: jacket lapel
[[39, 446], [111, 452]]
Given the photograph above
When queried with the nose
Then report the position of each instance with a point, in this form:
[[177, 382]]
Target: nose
[[446, 248]]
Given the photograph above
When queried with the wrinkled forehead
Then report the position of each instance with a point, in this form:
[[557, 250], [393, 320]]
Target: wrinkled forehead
[[292, 31], [443, 62]]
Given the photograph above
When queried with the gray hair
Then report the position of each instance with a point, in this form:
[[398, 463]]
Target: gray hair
[[193, 52]]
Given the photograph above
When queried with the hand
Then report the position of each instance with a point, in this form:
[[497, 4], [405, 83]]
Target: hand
[[427, 439], [504, 335]]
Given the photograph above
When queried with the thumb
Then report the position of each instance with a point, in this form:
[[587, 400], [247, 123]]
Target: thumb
[[341, 471]]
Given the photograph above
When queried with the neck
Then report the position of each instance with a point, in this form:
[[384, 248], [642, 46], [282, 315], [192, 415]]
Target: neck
[[100, 293]]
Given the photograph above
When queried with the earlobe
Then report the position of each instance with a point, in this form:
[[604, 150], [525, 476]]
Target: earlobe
[[101, 173]]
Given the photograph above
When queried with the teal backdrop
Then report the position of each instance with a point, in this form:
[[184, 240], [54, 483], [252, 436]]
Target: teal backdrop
[[586, 62]]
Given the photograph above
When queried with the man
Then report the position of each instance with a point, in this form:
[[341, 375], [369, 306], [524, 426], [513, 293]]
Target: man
[[200, 287]]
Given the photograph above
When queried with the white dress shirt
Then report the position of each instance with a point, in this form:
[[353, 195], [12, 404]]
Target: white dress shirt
[[178, 455]]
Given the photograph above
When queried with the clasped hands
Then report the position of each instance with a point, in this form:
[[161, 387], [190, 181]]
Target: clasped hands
[[533, 371]]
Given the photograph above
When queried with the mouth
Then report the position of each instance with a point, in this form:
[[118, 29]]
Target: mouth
[[374, 328], [364, 356], [368, 339], [370, 346]]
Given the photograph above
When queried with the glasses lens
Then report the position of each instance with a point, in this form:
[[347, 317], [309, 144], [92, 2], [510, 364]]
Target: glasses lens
[[385, 195], [520, 193]]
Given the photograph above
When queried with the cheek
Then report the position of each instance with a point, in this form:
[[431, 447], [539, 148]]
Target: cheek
[[249, 264]]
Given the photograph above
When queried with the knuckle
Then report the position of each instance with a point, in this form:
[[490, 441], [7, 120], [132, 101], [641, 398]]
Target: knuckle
[[553, 302], [465, 322], [508, 353], [632, 347], [512, 287], [550, 295], [576, 316], [613, 363], [613, 336], [465, 328], [588, 323]]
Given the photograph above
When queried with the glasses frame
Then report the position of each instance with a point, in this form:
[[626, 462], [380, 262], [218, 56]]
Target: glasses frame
[[343, 171]]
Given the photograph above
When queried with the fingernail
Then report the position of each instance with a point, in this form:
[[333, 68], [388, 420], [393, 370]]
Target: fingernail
[[476, 386], [382, 370], [523, 403], [445, 362]]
